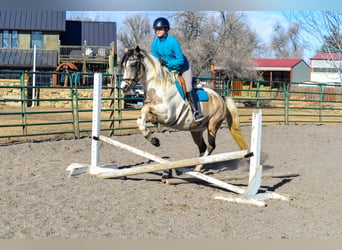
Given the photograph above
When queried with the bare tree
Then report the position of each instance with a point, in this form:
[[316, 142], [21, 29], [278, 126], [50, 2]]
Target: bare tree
[[220, 38], [84, 16], [323, 33], [223, 39], [285, 43], [136, 30], [317, 26], [234, 45], [189, 28]]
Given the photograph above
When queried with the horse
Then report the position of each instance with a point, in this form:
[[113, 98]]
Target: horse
[[163, 104]]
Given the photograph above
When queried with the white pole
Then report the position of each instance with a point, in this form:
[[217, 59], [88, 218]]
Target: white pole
[[95, 154], [34, 73], [255, 144]]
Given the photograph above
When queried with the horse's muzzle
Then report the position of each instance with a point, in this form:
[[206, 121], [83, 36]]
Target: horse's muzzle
[[124, 86]]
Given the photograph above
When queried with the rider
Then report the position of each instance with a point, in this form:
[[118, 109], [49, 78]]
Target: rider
[[168, 50]]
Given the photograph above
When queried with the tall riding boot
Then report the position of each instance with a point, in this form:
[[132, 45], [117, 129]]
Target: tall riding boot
[[195, 106]]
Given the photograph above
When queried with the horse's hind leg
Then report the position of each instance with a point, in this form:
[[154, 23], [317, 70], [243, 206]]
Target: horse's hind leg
[[197, 137], [212, 131]]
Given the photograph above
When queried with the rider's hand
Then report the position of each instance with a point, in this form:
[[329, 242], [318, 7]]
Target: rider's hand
[[163, 63]]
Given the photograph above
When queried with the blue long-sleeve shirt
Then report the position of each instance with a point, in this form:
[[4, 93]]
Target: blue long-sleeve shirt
[[169, 49]]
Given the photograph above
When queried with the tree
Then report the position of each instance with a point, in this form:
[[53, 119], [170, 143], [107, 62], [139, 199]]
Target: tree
[[323, 34], [84, 16], [136, 30], [320, 28], [332, 42], [206, 38], [235, 45], [220, 38], [285, 43]]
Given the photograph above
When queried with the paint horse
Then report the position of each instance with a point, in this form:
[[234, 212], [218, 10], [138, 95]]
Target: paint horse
[[165, 105]]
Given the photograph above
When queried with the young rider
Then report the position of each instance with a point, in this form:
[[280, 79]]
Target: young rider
[[168, 50]]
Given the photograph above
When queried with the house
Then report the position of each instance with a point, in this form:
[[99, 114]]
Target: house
[[284, 70], [326, 68], [21, 30], [87, 46]]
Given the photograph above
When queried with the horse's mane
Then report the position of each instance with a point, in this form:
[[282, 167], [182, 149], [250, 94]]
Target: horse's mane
[[158, 71]]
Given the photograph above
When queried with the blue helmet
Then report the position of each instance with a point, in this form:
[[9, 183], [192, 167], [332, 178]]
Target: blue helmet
[[161, 22]]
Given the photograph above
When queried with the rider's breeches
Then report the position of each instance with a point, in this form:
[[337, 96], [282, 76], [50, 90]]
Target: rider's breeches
[[187, 75]]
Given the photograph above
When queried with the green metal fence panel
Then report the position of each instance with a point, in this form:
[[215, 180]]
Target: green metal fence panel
[[58, 111]]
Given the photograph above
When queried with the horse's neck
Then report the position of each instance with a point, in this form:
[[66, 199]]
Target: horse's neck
[[163, 81]]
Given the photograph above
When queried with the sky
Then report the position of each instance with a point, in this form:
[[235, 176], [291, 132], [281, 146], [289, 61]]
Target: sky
[[260, 21]]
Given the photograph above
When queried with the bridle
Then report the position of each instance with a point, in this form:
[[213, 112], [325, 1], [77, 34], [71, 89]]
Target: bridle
[[139, 64]]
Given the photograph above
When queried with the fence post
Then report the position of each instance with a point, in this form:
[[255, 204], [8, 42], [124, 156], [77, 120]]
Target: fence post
[[286, 102], [74, 106], [23, 103], [258, 95], [227, 88], [321, 90], [112, 103]]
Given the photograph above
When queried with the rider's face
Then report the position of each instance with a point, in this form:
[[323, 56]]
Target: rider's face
[[160, 32]]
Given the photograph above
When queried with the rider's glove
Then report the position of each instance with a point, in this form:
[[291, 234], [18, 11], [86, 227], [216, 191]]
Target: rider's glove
[[163, 63]]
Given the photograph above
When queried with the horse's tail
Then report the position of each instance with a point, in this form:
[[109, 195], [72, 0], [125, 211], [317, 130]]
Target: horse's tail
[[233, 122]]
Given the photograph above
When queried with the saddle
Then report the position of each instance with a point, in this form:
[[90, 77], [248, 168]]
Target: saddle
[[182, 83], [181, 87]]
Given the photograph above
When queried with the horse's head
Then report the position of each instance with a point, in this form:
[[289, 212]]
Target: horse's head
[[132, 67]]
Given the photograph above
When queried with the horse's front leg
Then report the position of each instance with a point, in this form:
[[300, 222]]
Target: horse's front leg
[[145, 112], [145, 117]]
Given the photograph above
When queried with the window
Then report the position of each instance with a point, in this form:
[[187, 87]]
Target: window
[[14, 39], [5, 39], [37, 39], [9, 39], [331, 70]]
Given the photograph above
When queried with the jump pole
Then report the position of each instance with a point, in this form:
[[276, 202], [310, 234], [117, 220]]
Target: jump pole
[[111, 171], [251, 195], [247, 196]]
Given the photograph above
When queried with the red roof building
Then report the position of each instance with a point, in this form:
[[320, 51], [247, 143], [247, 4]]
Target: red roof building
[[285, 70], [326, 68], [327, 56]]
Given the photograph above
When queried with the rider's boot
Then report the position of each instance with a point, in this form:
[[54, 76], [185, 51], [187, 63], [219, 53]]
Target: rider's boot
[[195, 106]]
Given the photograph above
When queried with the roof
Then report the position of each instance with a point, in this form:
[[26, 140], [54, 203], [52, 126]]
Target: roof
[[325, 56], [23, 58], [95, 33], [277, 63], [37, 20]]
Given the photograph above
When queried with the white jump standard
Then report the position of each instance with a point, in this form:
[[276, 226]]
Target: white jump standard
[[249, 195]]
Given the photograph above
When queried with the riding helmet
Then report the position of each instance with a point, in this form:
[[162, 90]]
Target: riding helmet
[[161, 22]]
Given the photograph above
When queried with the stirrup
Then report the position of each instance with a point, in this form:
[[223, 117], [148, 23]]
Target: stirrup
[[197, 120]]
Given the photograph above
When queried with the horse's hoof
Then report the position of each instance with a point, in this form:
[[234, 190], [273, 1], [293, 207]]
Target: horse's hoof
[[178, 172], [198, 169], [166, 175], [155, 142]]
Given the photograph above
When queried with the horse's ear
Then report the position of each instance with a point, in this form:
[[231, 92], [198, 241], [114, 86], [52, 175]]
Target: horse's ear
[[137, 49]]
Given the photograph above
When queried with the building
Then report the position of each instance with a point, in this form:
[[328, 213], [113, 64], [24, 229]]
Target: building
[[284, 70], [326, 68], [21, 30], [87, 46]]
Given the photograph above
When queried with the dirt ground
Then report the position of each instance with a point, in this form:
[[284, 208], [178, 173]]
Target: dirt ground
[[39, 201]]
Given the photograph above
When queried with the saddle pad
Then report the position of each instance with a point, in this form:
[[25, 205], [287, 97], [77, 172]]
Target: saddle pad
[[200, 93]]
